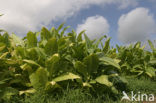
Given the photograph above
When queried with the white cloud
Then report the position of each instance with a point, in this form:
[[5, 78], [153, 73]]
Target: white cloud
[[95, 27], [23, 15], [137, 25]]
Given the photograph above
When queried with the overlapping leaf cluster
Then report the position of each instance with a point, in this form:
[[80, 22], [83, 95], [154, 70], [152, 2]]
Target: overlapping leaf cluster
[[52, 60]]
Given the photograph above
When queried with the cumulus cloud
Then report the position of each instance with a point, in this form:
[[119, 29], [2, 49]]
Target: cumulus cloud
[[137, 25], [23, 15], [95, 27]]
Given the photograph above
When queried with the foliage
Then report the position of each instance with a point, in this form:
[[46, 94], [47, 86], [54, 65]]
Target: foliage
[[51, 61]]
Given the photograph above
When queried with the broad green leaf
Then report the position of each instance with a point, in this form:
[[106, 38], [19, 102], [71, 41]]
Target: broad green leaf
[[2, 46], [81, 68], [106, 46], [36, 53], [103, 79], [99, 41], [88, 41], [26, 67], [79, 37], [45, 34], [138, 66], [6, 40], [114, 90], [60, 27], [31, 39], [11, 62], [87, 85], [137, 45], [135, 71], [4, 80], [52, 64], [67, 76], [151, 44], [117, 61], [39, 78], [141, 72], [110, 61], [50, 86], [62, 44], [150, 71], [20, 52], [92, 63], [15, 40], [53, 32], [31, 62], [143, 47], [72, 36], [153, 61], [62, 32], [126, 65], [29, 91], [51, 47]]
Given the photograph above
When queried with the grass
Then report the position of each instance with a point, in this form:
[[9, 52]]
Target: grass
[[143, 85], [80, 96]]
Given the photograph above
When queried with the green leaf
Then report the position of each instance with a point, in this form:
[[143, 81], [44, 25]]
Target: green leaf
[[72, 36], [138, 66], [79, 37], [137, 45], [109, 61], [53, 32], [103, 79], [81, 68], [153, 61], [36, 53], [50, 86], [51, 47], [92, 63], [150, 71], [114, 90], [62, 32], [60, 27], [11, 62], [88, 41], [31, 62], [99, 41], [31, 39], [67, 76], [106, 46], [62, 43], [5, 39], [87, 85], [39, 78], [26, 67], [52, 64], [4, 81], [45, 34], [2, 46], [151, 44], [29, 91], [15, 40]]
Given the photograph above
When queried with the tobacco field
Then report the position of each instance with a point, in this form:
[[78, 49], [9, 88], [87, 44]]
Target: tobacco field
[[52, 61]]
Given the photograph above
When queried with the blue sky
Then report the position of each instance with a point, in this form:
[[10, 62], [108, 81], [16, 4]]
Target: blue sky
[[102, 15]]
